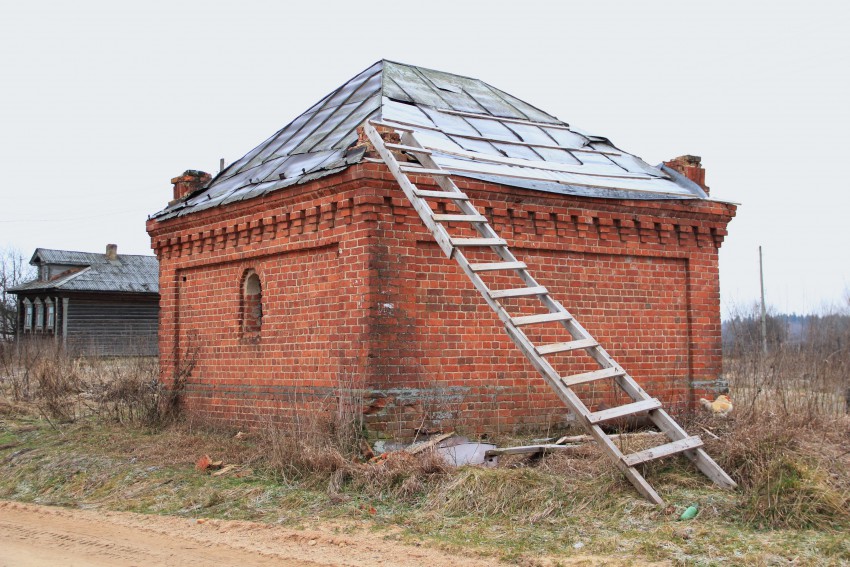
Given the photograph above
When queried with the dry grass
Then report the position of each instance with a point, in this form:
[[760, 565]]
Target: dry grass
[[787, 444], [64, 388], [793, 471], [310, 451]]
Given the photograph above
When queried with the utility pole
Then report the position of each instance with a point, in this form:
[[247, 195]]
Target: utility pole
[[763, 309]]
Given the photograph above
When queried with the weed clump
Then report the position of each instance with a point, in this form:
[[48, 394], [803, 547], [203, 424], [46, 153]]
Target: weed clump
[[787, 476], [310, 451]]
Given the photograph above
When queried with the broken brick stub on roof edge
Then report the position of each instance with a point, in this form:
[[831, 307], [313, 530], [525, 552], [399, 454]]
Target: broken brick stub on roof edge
[[190, 181]]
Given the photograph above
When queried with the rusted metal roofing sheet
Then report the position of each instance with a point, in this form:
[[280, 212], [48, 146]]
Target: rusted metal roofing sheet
[[451, 113], [128, 273]]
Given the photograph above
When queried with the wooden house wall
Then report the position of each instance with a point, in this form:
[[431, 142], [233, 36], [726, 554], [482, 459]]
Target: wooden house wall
[[113, 327]]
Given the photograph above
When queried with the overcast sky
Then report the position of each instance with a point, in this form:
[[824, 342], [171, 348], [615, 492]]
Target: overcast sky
[[101, 103]]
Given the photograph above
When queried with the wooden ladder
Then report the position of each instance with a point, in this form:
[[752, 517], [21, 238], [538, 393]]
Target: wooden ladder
[[579, 339]]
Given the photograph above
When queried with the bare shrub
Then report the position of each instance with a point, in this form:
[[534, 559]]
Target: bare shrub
[[808, 373], [324, 445], [64, 387], [37, 371], [126, 390], [791, 469]]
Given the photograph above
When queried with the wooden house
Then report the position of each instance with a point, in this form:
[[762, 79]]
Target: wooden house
[[93, 304]]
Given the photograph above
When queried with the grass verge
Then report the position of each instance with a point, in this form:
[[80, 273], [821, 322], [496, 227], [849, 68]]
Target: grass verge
[[790, 509]]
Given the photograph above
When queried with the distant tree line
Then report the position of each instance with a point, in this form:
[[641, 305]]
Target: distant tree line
[[828, 333]]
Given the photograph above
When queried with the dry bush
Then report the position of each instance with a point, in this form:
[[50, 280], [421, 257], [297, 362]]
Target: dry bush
[[38, 372], [313, 442], [788, 442], [793, 472], [126, 390], [807, 374], [64, 387], [324, 445]]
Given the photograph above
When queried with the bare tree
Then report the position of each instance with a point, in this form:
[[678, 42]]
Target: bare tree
[[14, 270]]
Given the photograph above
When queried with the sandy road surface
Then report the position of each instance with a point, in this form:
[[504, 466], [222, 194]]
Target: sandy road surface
[[32, 535]]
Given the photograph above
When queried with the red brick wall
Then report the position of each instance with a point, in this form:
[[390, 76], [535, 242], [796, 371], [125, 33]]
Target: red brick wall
[[356, 294]]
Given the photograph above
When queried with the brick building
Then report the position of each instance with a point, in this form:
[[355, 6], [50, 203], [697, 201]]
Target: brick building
[[301, 272]]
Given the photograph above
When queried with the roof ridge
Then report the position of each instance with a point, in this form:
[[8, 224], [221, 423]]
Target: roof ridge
[[95, 253]]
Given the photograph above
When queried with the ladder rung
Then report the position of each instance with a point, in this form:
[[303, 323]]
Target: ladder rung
[[411, 149], [440, 217], [679, 446], [478, 242], [622, 411], [576, 379], [564, 347], [519, 292], [394, 126], [441, 195], [425, 171], [543, 318], [492, 266]]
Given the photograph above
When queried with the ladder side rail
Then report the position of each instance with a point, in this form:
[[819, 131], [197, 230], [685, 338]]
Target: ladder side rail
[[572, 401], [607, 444], [699, 457], [438, 230], [485, 230], [577, 331]]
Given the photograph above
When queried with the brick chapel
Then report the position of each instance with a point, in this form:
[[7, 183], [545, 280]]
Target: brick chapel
[[300, 279]]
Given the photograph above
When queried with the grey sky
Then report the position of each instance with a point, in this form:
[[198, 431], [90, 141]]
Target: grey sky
[[101, 103]]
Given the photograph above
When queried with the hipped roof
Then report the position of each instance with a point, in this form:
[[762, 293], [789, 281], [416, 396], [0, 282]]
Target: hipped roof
[[91, 271], [461, 116]]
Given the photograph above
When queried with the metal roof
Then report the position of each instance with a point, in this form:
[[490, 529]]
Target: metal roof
[[128, 273], [459, 116]]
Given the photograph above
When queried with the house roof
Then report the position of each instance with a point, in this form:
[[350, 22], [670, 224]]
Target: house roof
[[91, 271], [462, 119]]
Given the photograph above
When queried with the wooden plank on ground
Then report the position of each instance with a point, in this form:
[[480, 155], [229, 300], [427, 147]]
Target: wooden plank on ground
[[523, 449], [417, 448]]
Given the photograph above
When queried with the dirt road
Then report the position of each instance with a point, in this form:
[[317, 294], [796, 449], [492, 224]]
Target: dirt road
[[32, 535]]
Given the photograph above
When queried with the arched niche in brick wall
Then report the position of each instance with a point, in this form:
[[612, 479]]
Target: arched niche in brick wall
[[251, 304]]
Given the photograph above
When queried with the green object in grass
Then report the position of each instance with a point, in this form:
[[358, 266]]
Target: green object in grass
[[690, 513]]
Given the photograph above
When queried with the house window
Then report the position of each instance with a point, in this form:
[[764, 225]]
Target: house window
[[51, 314], [27, 315], [39, 314], [252, 305]]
